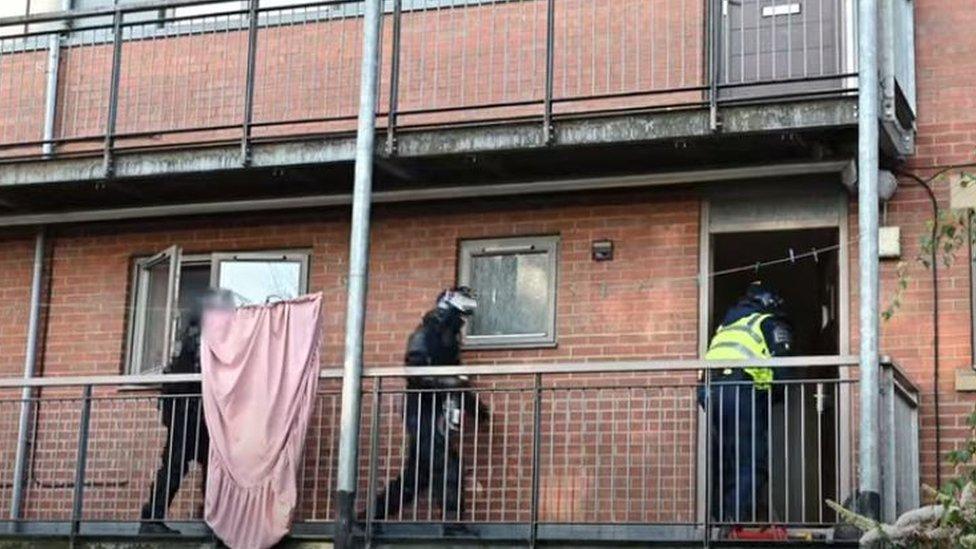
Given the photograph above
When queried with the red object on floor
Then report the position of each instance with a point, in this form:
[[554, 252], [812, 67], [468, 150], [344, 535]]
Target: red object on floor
[[742, 533]]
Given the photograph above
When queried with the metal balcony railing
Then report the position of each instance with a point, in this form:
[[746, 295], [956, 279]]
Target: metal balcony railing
[[193, 73], [550, 451]]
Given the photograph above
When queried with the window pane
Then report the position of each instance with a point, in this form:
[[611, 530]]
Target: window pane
[[154, 334], [256, 282], [513, 294]]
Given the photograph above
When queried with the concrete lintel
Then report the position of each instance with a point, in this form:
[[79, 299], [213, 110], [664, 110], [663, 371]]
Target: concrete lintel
[[598, 130]]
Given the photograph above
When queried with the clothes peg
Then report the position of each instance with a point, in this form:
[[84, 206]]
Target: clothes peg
[[792, 256], [815, 258]]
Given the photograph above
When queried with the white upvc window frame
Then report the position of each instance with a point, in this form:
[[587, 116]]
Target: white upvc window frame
[[138, 316], [301, 258], [544, 244], [177, 260]]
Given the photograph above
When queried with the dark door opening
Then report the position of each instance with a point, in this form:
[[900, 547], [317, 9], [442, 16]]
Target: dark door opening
[[808, 285], [803, 425]]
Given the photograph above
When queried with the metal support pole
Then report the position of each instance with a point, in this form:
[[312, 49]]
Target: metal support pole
[[30, 366], [869, 501], [358, 272], [81, 462], [113, 95], [252, 46]]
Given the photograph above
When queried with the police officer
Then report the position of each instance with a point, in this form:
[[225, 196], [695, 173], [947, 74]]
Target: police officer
[[432, 415], [187, 438], [754, 328]]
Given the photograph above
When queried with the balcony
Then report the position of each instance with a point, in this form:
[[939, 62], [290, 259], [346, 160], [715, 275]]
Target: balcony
[[194, 87], [583, 453]]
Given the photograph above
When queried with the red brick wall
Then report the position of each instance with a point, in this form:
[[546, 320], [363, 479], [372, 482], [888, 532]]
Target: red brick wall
[[946, 70], [464, 57], [643, 305]]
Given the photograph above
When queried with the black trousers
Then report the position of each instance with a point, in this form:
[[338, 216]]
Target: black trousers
[[187, 441], [432, 466]]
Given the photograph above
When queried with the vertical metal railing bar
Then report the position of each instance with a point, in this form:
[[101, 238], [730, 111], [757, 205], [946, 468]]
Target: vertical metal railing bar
[[552, 437], [444, 457], [598, 431], [567, 419], [505, 462], [547, 124], [738, 453], [709, 490], [820, 414], [803, 452], [491, 445], [753, 489], [630, 431], [837, 457], [318, 459], [769, 455], [645, 434], [460, 461], [392, 115], [430, 466], [475, 449], [713, 18], [332, 451], [613, 457], [721, 454], [389, 461], [249, 76], [108, 162], [520, 470], [81, 460], [786, 448], [536, 453], [404, 450], [374, 450], [659, 458]]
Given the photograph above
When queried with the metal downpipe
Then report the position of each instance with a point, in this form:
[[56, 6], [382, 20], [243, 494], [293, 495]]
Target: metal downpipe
[[358, 273], [869, 497], [51, 84], [30, 363]]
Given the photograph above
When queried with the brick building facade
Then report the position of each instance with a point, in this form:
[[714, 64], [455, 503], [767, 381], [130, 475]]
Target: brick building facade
[[644, 305]]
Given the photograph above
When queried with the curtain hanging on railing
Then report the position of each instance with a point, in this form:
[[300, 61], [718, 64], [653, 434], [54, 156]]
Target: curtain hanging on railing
[[260, 369]]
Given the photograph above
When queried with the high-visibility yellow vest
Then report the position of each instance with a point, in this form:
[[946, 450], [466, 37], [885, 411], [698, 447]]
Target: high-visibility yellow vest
[[743, 340]]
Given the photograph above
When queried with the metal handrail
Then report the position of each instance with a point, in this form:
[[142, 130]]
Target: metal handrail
[[650, 366]]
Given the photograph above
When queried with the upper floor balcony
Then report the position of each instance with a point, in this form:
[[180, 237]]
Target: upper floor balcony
[[143, 89]]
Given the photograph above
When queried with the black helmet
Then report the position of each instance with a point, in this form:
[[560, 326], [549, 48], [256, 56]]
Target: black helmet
[[763, 297], [459, 298]]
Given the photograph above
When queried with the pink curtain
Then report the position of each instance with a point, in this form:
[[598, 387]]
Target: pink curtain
[[260, 369]]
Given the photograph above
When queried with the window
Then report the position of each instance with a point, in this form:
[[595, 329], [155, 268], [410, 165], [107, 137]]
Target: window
[[515, 281], [168, 284]]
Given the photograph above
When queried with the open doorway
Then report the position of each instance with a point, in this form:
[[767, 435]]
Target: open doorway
[[804, 416], [808, 285]]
